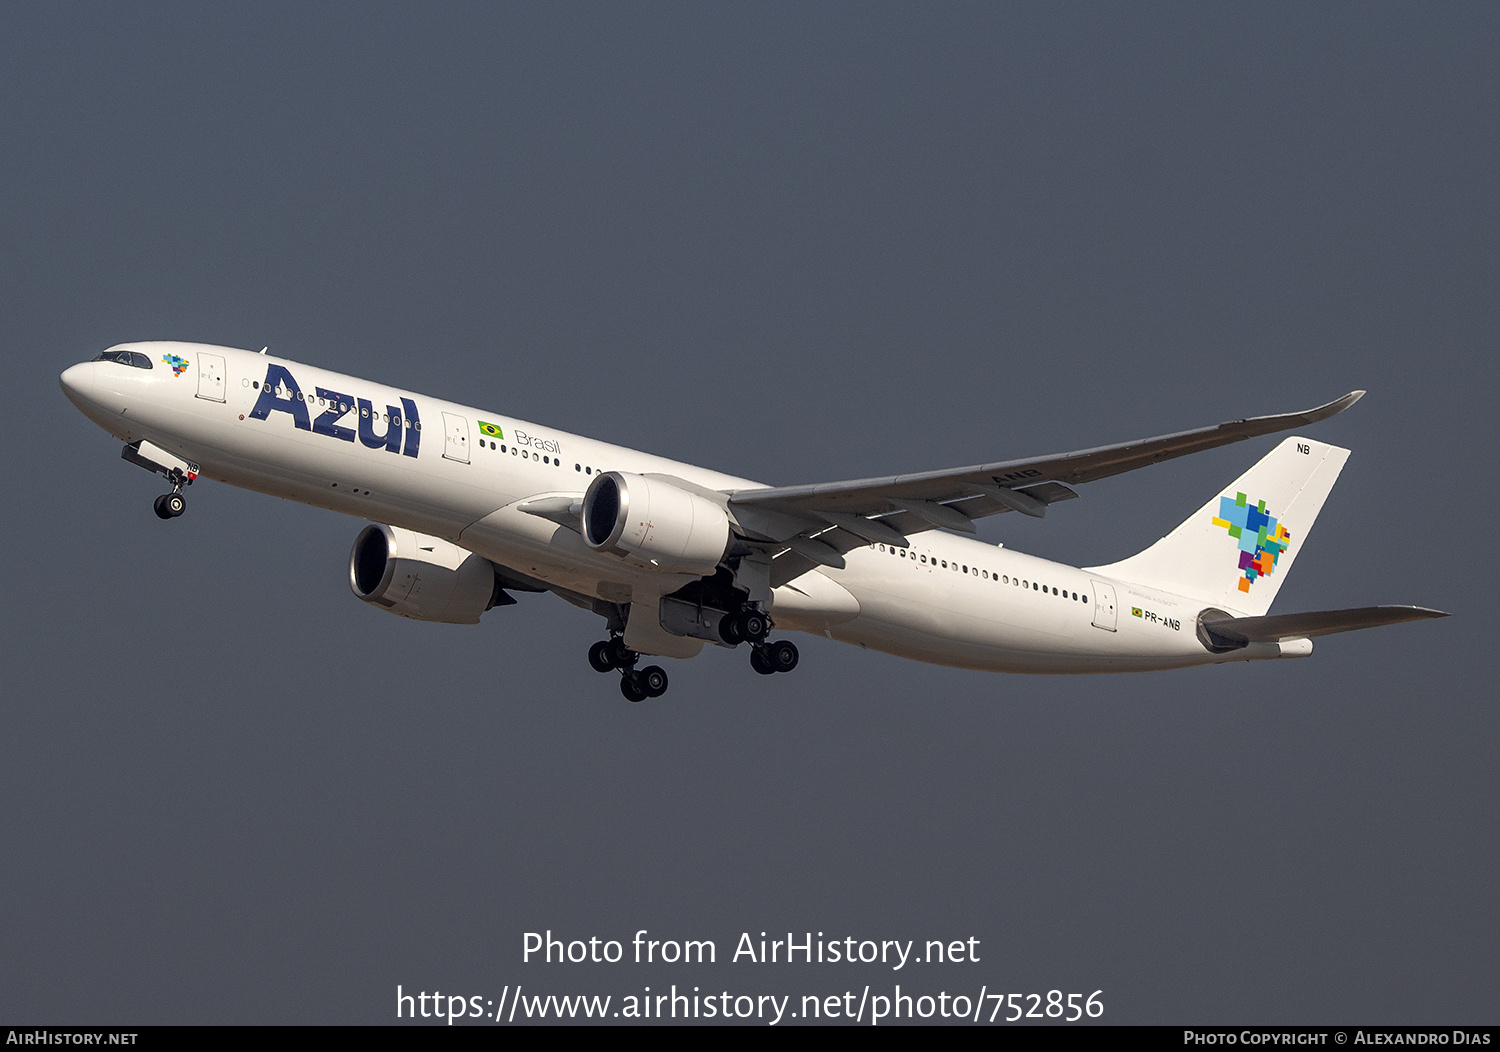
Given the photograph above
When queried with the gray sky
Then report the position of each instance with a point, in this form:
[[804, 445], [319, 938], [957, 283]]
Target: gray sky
[[798, 243]]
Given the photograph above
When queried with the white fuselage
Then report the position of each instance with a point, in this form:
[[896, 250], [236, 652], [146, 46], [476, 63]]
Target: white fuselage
[[948, 600]]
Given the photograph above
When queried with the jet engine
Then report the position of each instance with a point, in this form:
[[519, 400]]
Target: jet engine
[[654, 523], [421, 577]]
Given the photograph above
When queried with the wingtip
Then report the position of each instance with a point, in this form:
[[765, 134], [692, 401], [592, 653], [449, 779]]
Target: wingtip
[[1419, 613], [1333, 408]]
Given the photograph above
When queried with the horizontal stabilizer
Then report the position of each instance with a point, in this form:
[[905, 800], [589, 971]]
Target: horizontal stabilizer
[[1239, 631]]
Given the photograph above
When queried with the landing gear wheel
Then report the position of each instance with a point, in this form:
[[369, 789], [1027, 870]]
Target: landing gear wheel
[[159, 506], [753, 626], [653, 680], [632, 688], [175, 504], [599, 657], [781, 655], [760, 662], [620, 656], [729, 630]]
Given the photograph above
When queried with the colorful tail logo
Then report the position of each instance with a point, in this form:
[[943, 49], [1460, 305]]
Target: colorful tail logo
[[1261, 538]]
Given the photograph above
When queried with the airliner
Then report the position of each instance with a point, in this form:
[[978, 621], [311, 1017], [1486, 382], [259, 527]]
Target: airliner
[[469, 505]]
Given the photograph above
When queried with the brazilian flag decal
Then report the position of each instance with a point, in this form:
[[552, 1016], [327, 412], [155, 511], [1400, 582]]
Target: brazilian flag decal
[[1135, 611], [486, 428]]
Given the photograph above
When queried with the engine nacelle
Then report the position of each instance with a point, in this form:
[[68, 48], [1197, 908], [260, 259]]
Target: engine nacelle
[[421, 577], [654, 523]]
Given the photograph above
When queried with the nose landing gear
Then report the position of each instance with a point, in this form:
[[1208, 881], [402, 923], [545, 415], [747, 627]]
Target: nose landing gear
[[169, 466], [171, 505]]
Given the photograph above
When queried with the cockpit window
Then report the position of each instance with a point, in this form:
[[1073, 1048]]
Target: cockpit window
[[132, 358]]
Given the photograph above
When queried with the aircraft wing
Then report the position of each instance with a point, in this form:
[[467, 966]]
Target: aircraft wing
[[888, 509]]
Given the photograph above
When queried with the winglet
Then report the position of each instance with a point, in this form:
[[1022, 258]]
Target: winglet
[[1322, 412], [1337, 406]]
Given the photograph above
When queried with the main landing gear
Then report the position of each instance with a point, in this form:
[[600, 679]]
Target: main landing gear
[[171, 505], [746, 625], [770, 658], [749, 625], [612, 654]]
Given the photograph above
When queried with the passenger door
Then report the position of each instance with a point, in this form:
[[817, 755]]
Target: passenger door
[[456, 437], [211, 377], [1104, 606]]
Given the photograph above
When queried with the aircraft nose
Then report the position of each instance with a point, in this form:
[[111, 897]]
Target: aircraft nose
[[78, 381]]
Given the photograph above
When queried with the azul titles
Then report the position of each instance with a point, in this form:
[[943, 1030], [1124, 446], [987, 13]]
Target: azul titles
[[394, 430]]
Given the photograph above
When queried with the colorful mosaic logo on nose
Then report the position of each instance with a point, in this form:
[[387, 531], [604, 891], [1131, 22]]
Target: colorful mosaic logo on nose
[[179, 365], [1260, 537]]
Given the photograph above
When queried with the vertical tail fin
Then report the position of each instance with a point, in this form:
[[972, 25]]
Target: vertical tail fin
[[1235, 551]]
